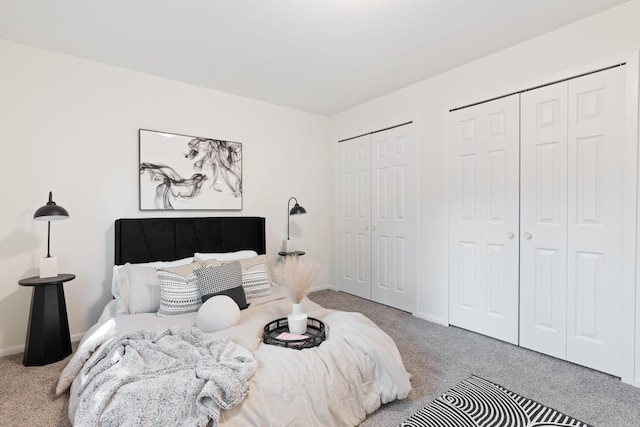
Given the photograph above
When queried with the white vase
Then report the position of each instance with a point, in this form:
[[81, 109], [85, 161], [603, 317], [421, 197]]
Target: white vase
[[297, 320]]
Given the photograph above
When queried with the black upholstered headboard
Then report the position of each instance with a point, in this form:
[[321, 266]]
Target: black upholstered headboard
[[166, 239]]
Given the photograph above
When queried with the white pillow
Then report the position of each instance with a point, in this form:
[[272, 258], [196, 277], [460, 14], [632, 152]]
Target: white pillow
[[224, 256], [218, 312], [144, 289], [120, 283]]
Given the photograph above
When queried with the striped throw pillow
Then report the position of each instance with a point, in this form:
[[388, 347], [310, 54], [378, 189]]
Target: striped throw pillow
[[178, 294], [255, 280]]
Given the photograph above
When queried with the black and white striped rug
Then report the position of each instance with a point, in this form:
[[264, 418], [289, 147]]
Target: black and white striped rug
[[476, 402]]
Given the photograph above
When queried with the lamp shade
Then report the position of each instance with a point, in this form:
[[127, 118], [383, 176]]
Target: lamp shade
[[51, 211], [297, 209]]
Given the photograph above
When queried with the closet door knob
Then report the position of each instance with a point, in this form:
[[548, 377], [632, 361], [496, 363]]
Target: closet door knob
[[510, 235], [366, 227], [373, 227], [527, 236]]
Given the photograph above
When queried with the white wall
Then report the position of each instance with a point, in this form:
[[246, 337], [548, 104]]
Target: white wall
[[71, 126], [605, 39]]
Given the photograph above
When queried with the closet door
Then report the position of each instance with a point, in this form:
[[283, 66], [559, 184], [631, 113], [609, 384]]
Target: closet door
[[572, 181], [595, 219], [543, 216], [393, 228], [354, 204], [483, 218]]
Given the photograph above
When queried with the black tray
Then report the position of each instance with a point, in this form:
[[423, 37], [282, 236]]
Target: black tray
[[315, 334]]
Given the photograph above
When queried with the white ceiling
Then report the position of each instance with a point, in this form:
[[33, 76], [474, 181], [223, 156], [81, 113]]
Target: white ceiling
[[321, 56]]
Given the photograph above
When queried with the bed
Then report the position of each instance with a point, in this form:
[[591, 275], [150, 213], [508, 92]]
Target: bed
[[338, 383]]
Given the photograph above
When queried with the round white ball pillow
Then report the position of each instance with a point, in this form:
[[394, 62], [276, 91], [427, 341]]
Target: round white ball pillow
[[218, 312]]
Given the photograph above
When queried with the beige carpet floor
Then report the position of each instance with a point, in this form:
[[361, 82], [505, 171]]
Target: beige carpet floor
[[438, 357], [27, 394]]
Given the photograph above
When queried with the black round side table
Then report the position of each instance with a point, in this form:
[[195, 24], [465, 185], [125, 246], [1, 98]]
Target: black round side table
[[48, 338]]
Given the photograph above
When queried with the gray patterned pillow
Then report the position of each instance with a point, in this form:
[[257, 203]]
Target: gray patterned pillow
[[178, 294], [256, 279], [222, 280]]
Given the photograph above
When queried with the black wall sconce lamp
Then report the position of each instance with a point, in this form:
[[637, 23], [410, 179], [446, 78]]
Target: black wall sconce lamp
[[295, 210]]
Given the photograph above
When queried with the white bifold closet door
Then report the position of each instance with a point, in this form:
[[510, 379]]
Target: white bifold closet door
[[377, 224], [543, 249], [394, 240], [354, 204], [536, 219], [572, 185], [483, 218]]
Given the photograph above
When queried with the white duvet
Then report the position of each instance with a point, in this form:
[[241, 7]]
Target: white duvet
[[355, 370]]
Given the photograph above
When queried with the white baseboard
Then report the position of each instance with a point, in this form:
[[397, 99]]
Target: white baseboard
[[20, 348], [432, 319], [11, 350]]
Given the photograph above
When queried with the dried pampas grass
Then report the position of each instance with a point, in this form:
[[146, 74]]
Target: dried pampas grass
[[297, 276]]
